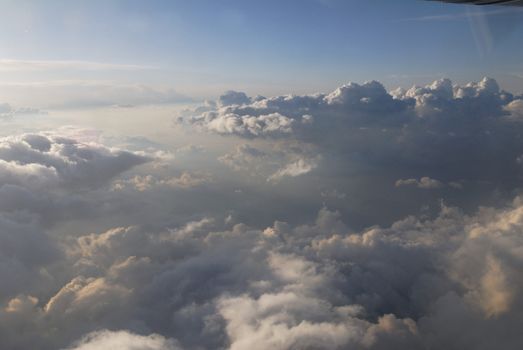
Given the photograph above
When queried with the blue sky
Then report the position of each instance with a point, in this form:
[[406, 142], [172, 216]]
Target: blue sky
[[202, 47]]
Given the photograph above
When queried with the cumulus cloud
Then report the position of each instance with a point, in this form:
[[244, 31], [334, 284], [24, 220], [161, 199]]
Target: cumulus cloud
[[225, 122], [316, 285], [245, 157], [297, 168], [464, 136], [277, 116], [273, 163], [515, 108], [234, 98], [354, 106], [123, 340], [171, 260], [36, 160]]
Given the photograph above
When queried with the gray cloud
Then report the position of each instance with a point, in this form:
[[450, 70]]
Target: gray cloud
[[45, 160], [425, 183], [96, 252], [316, 285], [8, 111], [465, 136]]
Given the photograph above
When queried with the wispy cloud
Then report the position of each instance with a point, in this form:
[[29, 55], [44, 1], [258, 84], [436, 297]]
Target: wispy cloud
[[461, 16], [88, 93], [8, 65]]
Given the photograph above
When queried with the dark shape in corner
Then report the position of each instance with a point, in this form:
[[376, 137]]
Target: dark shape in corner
[[485, 2]]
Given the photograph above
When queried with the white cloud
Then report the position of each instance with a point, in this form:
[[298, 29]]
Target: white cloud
[[35, 160], [9, 65], [297, 168], [123, 340], [193, 265]]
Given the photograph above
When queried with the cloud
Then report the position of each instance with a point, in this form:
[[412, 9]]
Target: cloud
[[9, 65], [36, 160], [123, 340], [442, 131], [353, 107], [169, 259], [281, 115], [245, 158], [7, 111], [515, 108], [234, 98], [274, 163], [297, 168], [89, 93], [425, 183], [313, 285], [223, 122], [142, 183]]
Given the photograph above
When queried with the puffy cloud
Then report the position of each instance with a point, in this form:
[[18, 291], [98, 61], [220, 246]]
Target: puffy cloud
[[36, 160], [466, 137], [290, 287], [277, 116], [123, 340], [515, 108], [244, 157], [39, 177], [297, 168], [234, 98], [227, 122], [273, 163], [440, 107], [157, 267]]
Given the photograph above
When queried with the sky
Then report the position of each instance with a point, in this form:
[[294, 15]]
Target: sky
[[252, 175], [202, 48]]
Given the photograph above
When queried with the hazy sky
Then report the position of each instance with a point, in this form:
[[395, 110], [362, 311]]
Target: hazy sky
[[203, 47]]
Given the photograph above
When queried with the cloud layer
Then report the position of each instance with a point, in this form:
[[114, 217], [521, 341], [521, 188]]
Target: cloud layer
[[466, 137], [410, 285], [360, 219]]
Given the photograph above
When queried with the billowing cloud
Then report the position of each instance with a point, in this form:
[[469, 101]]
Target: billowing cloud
[[203, 252], [405, 286], [234, 98], [36, 160], [443, 132], [282, 115], [226, 122], [123, 340]]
